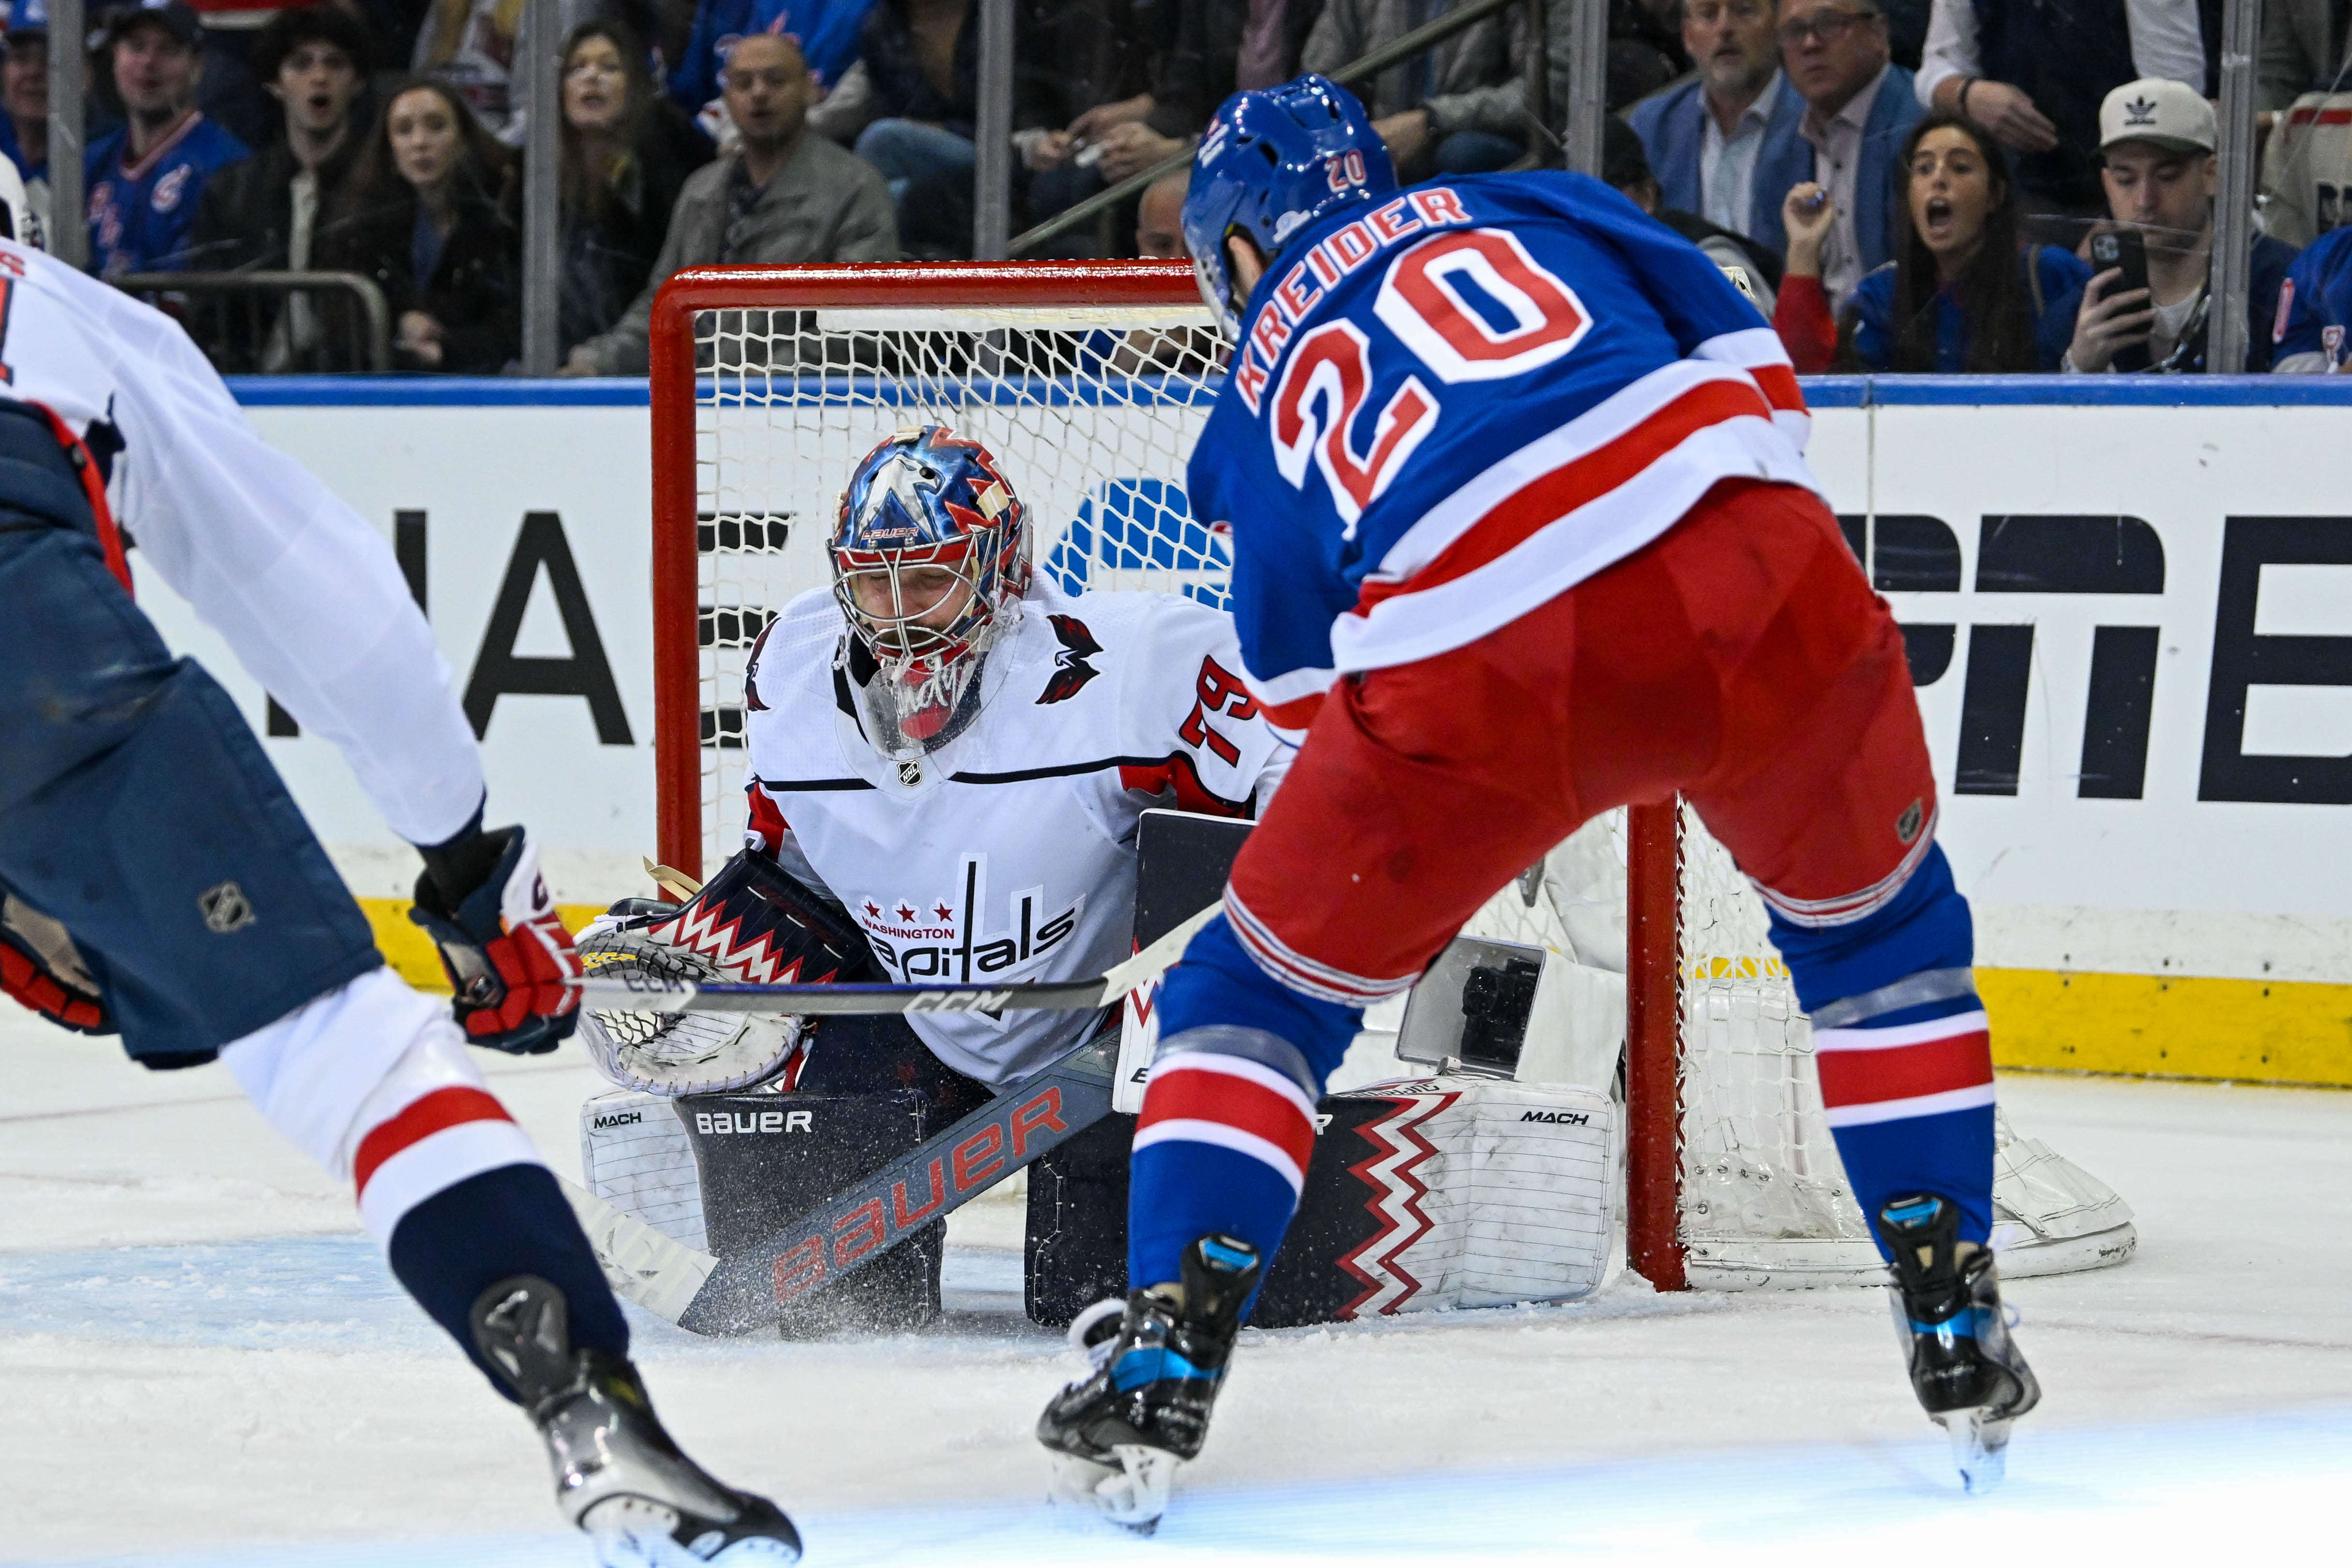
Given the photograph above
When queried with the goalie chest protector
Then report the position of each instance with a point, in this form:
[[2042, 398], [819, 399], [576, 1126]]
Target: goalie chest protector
[[1008, 855]]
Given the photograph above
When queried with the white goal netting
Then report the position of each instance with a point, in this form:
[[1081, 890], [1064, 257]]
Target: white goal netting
[[1092, 413]]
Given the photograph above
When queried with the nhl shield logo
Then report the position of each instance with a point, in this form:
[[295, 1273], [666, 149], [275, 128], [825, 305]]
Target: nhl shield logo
[[910, 774], [1907, 825], [225, 908]]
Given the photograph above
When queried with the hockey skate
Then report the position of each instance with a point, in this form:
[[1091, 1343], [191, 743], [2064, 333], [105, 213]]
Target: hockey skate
[[1968, 1373], [1119, 1433], [618, 1476]]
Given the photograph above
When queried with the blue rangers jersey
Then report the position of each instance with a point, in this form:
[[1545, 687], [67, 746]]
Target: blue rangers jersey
[[1449, 408], [141, 213], [2315, 307]]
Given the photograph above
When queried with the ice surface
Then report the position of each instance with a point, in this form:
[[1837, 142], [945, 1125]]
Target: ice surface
[[204, 1362]]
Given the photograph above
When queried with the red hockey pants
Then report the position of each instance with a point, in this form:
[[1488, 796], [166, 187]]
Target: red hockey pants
[[1740, 658]]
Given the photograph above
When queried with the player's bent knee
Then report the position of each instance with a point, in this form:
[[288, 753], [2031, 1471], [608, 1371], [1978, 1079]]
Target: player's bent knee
[[1922, 925], [372, 1082], [1219, 986]]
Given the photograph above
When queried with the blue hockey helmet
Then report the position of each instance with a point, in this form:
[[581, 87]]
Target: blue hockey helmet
[[930, 557], [1271, 163]]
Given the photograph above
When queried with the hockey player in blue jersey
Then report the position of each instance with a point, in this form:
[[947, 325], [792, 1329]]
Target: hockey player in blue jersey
[[1522, 532], [158, 883]]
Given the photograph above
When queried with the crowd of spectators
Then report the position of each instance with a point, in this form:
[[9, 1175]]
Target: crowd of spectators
[[1900, 184]]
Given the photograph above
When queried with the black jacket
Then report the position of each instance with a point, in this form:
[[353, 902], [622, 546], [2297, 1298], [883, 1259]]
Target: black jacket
[[901, 91], [476, 289], [245, 225], [607, 257]]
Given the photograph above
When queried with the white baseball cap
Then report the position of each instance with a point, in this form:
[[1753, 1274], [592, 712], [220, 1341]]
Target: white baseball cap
[[2157, 109]]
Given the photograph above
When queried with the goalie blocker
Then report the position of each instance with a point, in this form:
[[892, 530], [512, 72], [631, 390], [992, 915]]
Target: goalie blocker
[[1454, 1190]]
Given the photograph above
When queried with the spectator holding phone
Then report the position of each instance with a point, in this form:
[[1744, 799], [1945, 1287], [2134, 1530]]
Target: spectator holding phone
[[2156, 143], [1961, 294]]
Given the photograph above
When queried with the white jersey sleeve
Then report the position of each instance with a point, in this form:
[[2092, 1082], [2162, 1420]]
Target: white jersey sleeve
[[305, 592]]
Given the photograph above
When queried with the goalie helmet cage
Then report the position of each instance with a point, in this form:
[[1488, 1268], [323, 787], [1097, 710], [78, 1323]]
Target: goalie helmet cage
[[1089, 382]]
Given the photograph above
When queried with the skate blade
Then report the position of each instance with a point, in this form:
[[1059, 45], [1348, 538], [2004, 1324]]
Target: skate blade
[[631, 1532], [1980, 1449], [1132, 1494]]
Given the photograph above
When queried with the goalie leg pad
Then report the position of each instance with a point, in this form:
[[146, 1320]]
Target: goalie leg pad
[[137, 811]]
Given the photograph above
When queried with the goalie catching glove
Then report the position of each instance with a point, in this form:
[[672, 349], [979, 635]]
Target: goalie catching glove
[[751, 924], [41, 967], [485, 904]]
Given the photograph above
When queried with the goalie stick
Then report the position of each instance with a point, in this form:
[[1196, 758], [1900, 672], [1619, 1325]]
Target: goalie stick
[[739, 1294], [650, 994]]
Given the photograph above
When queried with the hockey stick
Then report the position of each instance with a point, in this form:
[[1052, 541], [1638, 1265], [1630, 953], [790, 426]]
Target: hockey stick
[[700, 1293], [736, 1295], [650, 994]]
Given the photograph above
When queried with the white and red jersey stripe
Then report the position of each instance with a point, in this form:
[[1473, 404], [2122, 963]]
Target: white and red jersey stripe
[[1909, 1070], [1200, 1097], [1451, 408]]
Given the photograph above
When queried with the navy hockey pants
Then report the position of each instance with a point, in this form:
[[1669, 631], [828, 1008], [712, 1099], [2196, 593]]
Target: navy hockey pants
[[136, 806]]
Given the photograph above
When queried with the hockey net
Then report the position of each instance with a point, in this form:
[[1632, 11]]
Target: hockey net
[[1090, 384]]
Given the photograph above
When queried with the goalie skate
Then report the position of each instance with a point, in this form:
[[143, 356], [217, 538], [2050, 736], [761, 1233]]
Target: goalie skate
[[619, 1477], [1119, 1433], [1970, 1375]]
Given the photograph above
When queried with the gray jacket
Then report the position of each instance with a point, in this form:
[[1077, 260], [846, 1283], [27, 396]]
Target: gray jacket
[[823, 205], [2296, 54], [1478, 58]]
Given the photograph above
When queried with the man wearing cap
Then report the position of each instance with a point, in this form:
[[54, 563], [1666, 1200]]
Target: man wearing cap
[[2155, 149], [146, 179], [24, 101]]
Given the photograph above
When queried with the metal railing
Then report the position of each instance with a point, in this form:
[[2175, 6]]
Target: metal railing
[[264, 297]]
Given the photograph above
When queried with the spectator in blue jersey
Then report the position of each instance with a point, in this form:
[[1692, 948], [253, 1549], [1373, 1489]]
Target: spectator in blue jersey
[[1961, 294], [25, 100], [429, 215], [146, 178], [1858, 106], [826, 30], [2157, 151], [1724, 145], [2313, 309]]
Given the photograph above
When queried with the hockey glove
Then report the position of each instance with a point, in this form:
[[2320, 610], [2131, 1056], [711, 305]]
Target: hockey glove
[[752, 922], [41, 967], [482, 900]]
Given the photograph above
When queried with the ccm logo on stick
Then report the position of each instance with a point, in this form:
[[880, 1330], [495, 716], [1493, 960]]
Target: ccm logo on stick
[[719, 1121]]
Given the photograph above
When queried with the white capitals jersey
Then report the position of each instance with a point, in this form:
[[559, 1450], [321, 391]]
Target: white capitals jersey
[[1009, 853], [306, 592]]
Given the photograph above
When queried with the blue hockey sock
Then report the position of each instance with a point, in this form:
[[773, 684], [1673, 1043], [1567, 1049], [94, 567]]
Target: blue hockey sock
[[1903, 1046], [465, 1239], [1228, 1120]]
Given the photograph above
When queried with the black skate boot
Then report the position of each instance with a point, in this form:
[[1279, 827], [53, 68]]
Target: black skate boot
[[1968, 1372], [618, 1477], [1121, 1431]]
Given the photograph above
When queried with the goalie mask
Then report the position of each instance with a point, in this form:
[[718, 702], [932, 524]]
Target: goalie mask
[[930, 557]]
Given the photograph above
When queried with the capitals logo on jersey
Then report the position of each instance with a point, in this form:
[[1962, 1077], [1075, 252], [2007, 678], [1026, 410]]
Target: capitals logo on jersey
[[927, 937]]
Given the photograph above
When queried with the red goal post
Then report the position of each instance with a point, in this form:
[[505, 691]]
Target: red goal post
[[1089, 380]]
